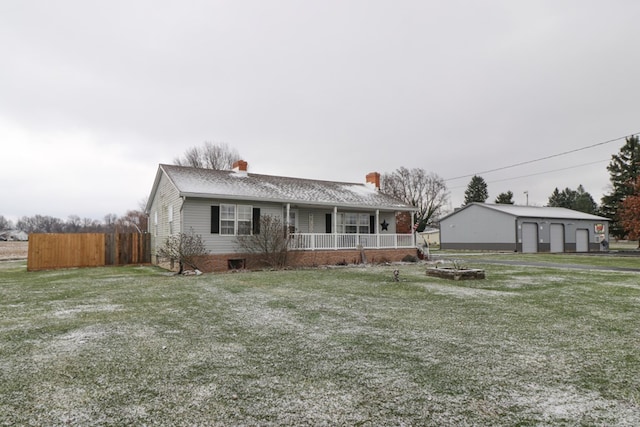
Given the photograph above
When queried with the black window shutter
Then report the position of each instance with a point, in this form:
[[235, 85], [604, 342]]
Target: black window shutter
[[328, 224], [215, 219], [256, 220], [372, 224]]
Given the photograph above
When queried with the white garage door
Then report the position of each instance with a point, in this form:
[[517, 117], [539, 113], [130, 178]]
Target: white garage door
[[582, 240], [529, 237], [557, 237]]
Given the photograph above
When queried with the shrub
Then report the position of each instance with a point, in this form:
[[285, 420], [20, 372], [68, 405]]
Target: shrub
[[271, 243], [183, 248]]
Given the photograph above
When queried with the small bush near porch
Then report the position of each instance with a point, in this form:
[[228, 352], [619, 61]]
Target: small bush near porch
[[335, 346]]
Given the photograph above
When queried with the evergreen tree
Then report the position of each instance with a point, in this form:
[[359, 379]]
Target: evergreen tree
[[476, 190], [505, 198], [560, 199], [624, 169], [584, 201], [578, 200]]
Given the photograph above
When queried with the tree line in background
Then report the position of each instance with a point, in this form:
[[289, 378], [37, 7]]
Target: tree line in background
[[134, 221], [424, 190]]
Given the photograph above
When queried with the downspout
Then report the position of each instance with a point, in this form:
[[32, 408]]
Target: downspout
[[184, 199]]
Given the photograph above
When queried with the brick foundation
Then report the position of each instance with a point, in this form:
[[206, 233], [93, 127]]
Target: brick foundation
[[228, 262]]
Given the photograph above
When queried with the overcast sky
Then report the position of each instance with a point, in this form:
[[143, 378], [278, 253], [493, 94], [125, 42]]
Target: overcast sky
[[94, 95]]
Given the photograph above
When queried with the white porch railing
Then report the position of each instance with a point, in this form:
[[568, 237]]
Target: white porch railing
[[322, 241]]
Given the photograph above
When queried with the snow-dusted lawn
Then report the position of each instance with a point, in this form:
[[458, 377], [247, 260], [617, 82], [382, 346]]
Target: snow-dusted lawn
[[339, 346]]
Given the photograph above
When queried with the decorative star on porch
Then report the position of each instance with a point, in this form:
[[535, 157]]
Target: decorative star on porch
[[384, 225]]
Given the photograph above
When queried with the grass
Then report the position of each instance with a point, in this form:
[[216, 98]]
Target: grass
[[339, 346]]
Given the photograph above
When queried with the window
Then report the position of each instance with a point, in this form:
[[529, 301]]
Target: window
[[236, 219], [244, 219], [227, 219], [352, 223], [293, 221]]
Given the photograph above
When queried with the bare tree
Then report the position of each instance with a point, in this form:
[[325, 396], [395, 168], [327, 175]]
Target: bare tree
[[209, 156], [90, 225], [270, 242], [133, 221], [426, 191], [183, 248], [73, 224], [40, 224], [5, 224], [110, 222]]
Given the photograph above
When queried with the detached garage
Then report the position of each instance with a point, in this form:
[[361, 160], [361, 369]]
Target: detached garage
[[481, 226]]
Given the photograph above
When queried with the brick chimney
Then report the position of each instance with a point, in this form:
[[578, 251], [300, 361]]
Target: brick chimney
[[373, 178], [240, 166]]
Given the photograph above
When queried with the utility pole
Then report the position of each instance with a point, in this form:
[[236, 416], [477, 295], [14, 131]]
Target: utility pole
[[527, 194]]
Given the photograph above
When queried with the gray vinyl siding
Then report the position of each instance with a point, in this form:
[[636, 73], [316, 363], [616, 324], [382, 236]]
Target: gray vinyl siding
[[390, 217], [165, 196], [196, 214], [319, 218]]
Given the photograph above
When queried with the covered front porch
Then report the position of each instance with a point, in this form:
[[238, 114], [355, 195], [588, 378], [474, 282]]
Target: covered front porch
[[324, 241], [348, 228]]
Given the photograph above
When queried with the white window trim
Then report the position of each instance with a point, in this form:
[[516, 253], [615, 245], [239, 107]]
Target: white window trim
[[236, 220], [360, 222]]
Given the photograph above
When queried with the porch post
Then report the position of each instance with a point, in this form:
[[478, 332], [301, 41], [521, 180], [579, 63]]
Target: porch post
[[335, 227], [415, 230], [377, 229], [287, 220]]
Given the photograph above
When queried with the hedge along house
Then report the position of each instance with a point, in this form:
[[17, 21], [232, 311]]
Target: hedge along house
[[480, 226], [326, 222]]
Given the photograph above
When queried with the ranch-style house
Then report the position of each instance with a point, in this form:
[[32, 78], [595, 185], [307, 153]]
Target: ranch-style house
[[326, 222]]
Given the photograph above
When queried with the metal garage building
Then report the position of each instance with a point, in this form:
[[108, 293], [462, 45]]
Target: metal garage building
[[481, 226]]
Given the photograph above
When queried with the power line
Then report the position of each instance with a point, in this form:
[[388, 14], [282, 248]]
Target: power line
[[542, 158], [539, 173]]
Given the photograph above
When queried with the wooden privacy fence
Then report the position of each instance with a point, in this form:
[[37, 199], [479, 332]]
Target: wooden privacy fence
[[61, 250]]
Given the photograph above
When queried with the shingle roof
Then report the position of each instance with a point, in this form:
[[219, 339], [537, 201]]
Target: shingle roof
[[538, 212], [197, 182]]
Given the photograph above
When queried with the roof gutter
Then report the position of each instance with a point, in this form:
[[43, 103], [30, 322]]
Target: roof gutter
[[296, 202]]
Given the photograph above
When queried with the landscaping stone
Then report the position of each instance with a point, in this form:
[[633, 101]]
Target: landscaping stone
[[456, 273]]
